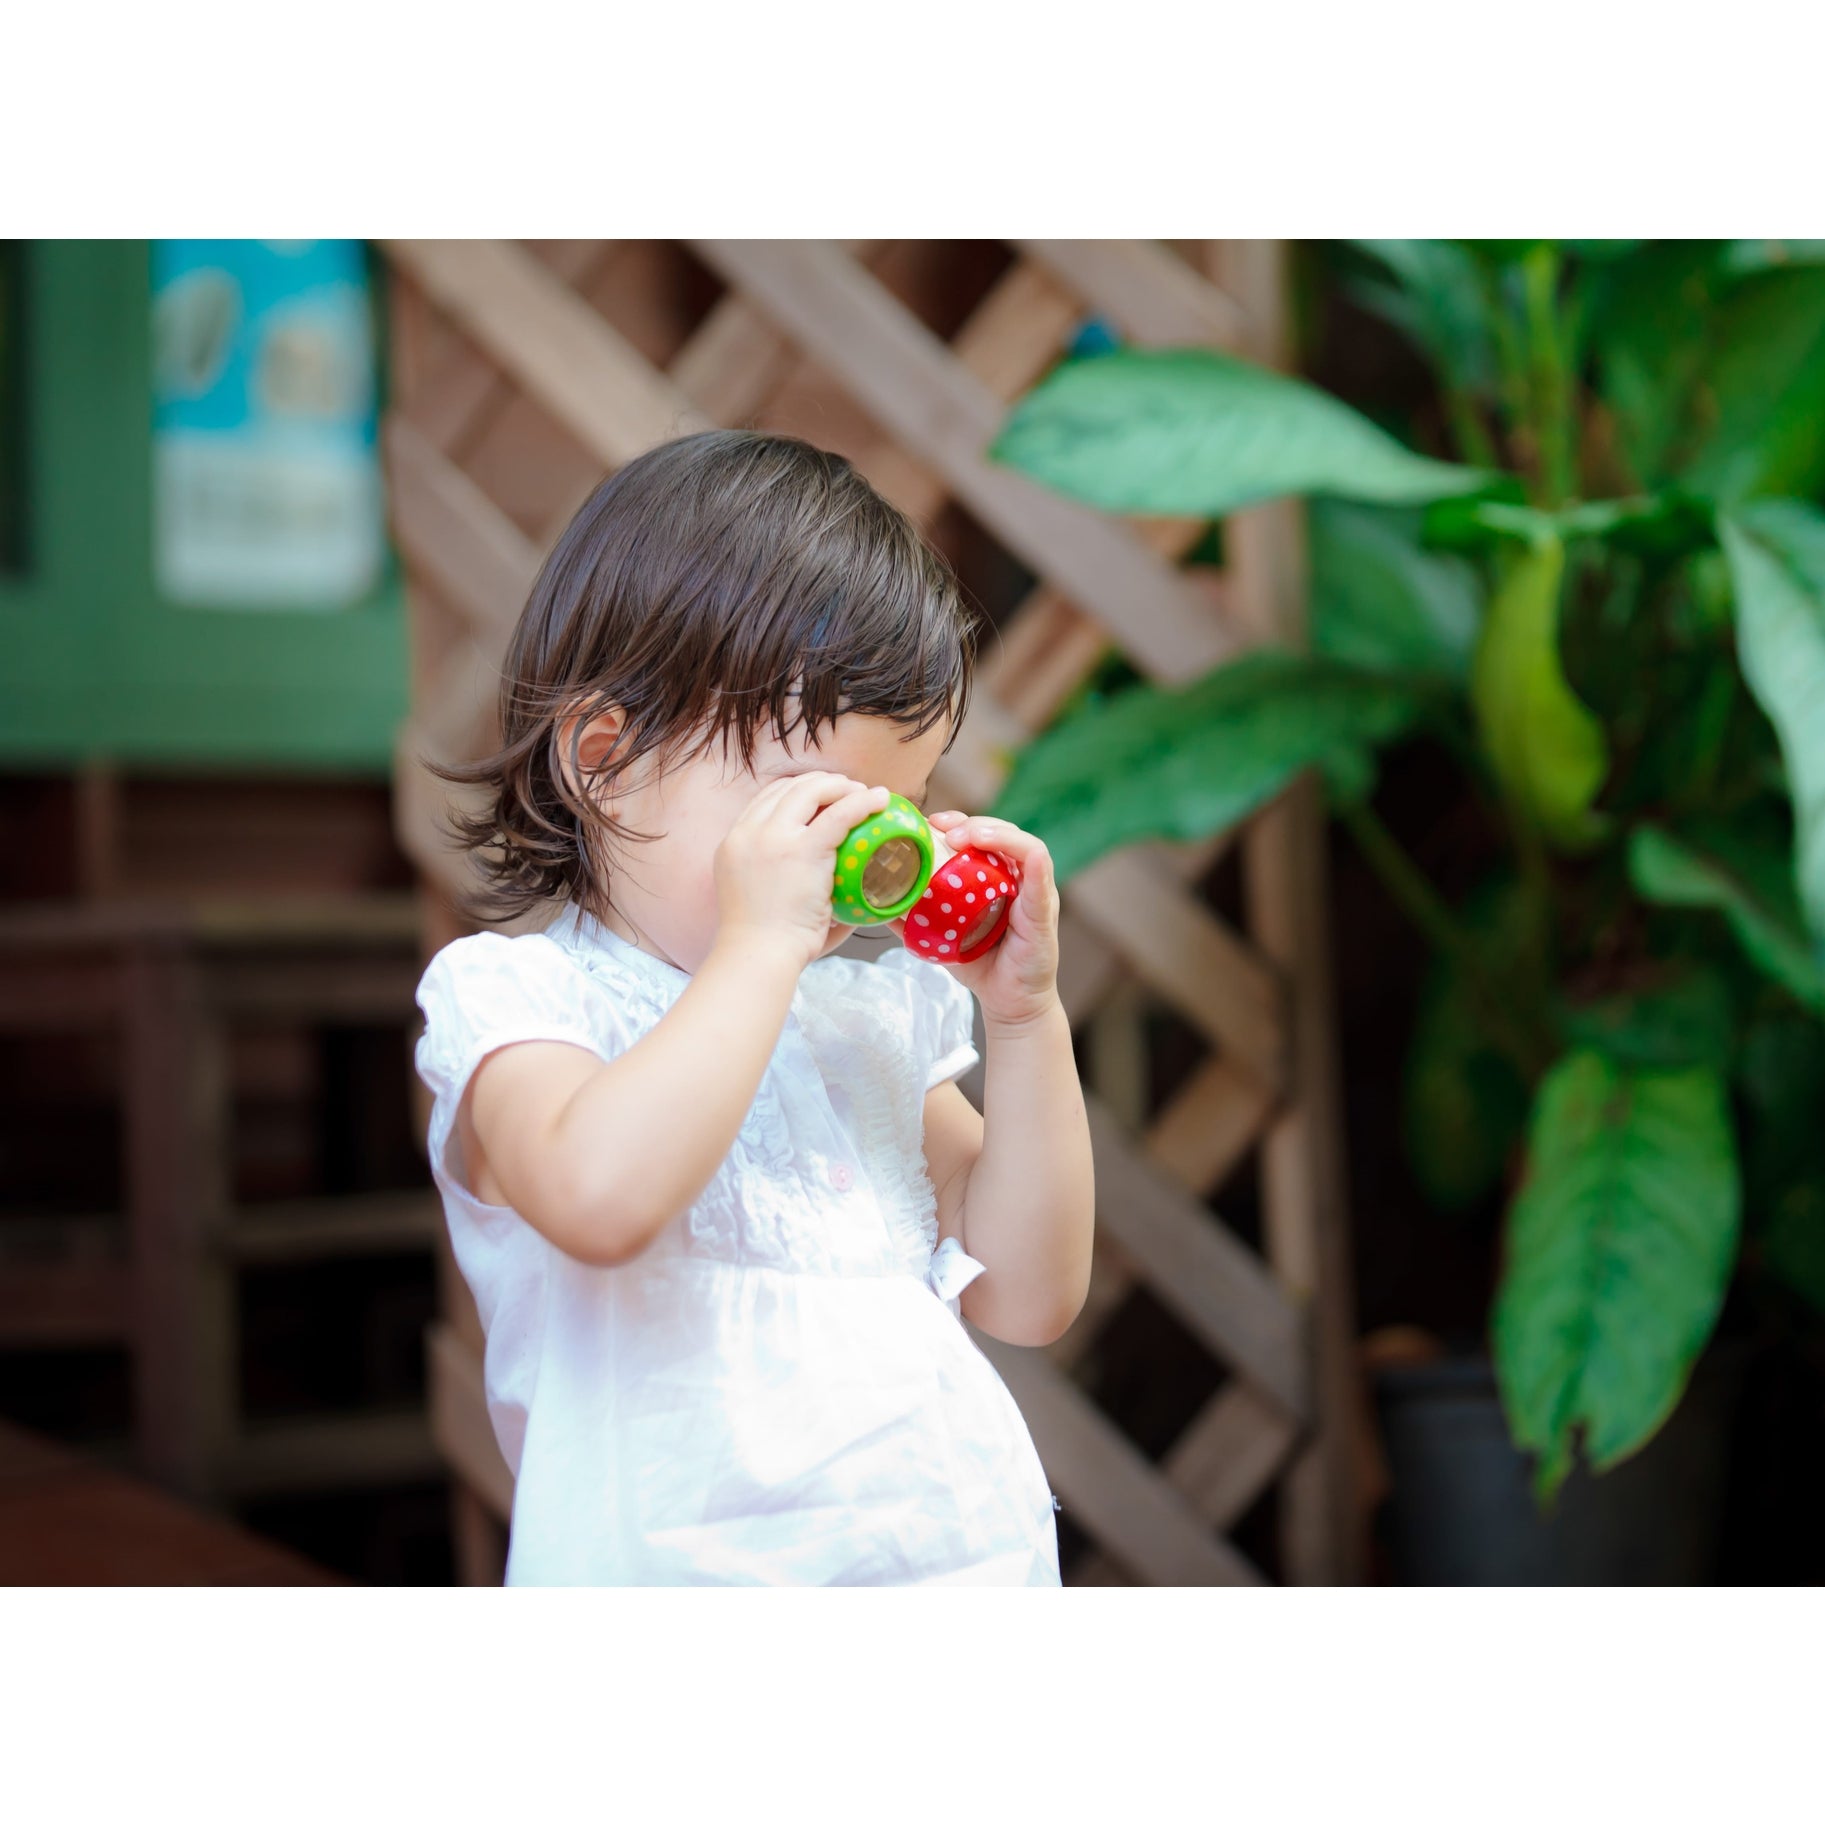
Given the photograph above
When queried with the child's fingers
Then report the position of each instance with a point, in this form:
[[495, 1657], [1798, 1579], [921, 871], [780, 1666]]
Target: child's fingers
[[1021, 847]]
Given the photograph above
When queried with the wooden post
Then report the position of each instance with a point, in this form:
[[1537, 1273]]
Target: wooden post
[[1307, 1233], [178, 1196]]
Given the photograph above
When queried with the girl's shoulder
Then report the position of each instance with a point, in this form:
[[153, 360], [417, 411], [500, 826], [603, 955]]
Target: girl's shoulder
[[490, 989]]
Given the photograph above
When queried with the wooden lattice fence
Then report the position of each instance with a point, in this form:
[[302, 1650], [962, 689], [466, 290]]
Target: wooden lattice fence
[[525, 371]]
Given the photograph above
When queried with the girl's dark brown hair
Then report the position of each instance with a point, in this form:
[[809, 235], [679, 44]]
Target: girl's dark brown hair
[[713, 582]]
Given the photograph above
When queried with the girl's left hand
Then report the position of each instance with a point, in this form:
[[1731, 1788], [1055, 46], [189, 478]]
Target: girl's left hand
[[1018, 980]]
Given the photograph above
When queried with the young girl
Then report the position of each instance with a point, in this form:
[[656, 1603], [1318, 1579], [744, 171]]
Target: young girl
[[720, 1202]]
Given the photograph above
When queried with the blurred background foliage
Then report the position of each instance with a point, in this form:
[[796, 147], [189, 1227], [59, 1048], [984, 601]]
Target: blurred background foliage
[[1580, 560]]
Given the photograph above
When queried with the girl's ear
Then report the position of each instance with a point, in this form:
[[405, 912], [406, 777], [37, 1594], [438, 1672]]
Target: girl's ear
[[596, 738]]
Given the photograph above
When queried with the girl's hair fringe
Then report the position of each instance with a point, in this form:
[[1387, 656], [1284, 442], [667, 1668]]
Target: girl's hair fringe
[[711, 584]]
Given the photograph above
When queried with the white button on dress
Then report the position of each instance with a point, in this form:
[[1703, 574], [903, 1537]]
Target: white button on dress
[[779, 1389]]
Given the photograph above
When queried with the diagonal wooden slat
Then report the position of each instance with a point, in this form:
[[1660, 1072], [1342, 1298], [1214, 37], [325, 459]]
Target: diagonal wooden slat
[[585, 375], [1216, 1285], [1108, 1485], [1230, 1453], [444, 524], [1221, 1465], [1203, 1134], [1010, 339], [907, 380], [736, 360], [466, 389], [1146, 290], [1188, 955]]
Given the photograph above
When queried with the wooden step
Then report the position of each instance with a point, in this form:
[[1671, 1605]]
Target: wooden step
[[334, 1451], [318, 1229], [63, 1282]]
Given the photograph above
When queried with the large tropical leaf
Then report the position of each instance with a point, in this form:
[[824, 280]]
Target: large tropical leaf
[[1158, 763], [1382, 601], [1762, 912], [1619, 1251], [1547, 749], [1776, 551], [1193, 432]]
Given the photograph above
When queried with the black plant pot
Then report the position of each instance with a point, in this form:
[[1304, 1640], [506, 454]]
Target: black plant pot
[[1462, 1511]]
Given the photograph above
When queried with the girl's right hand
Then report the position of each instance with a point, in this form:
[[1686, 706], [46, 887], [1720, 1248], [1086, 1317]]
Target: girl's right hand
[[775, 867]]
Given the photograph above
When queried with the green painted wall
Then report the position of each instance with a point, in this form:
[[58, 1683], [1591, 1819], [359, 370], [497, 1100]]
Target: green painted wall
[[93, 664]]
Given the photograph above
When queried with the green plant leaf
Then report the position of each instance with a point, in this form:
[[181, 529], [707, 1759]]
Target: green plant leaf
[[1504, 253], [1601, 251], [1763, 391], [1381, 601], [1184, 763], [1742, 258], [1437, 301], [1619, 1250], [1688, 1021], [1652, 320], [1464, 1100], [1547, 749], [1669, 873], [1776, 552], [1193, 432]]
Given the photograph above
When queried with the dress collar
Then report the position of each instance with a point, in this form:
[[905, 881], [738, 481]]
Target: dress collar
[[584, 934], [582, 931]]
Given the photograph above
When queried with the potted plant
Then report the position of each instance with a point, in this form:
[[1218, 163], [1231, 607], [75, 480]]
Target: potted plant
[[1601, 588]]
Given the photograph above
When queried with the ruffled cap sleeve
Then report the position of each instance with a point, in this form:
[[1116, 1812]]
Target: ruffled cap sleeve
[[943, 1017], [488, 990]]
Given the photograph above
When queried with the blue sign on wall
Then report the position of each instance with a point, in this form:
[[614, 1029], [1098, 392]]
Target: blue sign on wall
[[266, 468]]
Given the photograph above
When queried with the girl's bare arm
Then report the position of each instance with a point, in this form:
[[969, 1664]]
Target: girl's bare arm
[[598, 1156]]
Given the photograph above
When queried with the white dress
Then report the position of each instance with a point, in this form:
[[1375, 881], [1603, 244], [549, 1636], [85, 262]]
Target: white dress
[[779, 1389]]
